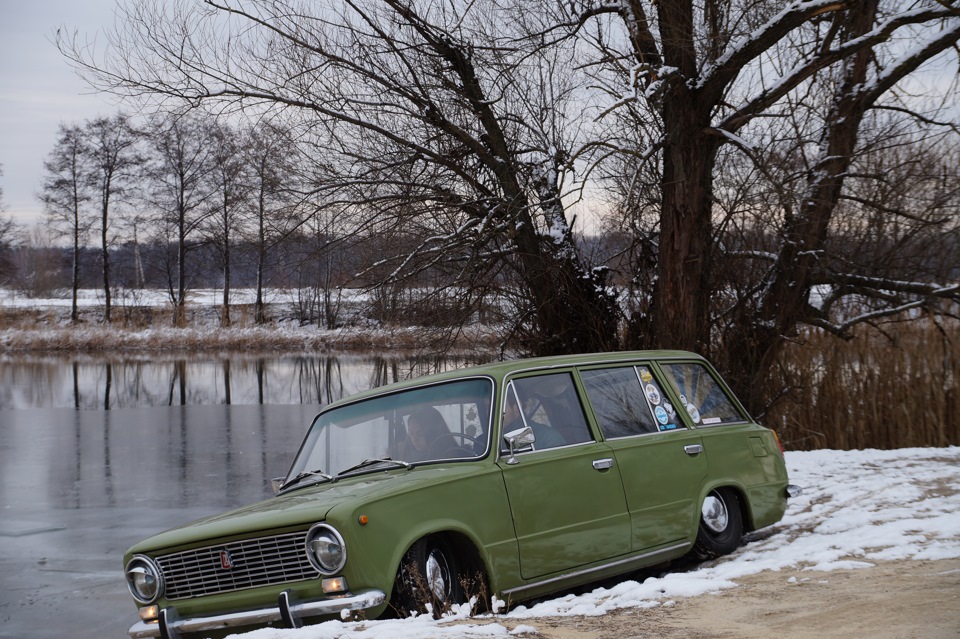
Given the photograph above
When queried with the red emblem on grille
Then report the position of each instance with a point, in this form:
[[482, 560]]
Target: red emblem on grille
[[226, 561]]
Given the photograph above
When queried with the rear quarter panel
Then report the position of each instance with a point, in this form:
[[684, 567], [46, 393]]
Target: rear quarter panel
[[747, 457]]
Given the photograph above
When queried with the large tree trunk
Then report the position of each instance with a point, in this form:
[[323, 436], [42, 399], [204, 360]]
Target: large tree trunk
[[681, 294], [681, 300]]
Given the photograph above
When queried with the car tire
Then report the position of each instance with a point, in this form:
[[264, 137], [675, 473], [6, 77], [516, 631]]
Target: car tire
[[721, 524], [429, 573]]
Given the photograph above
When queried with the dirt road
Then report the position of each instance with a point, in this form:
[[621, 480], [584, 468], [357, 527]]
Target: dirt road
[[892, 600]]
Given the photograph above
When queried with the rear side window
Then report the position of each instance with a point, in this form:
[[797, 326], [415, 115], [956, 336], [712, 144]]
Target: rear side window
[[628, 401], [701, 395]]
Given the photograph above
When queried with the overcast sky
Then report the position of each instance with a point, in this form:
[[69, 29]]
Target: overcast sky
[[39, 90]]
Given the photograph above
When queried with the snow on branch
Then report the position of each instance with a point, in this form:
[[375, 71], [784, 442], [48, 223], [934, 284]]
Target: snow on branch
[[889, 312], [885, 284], [744, 50], [716, 78]]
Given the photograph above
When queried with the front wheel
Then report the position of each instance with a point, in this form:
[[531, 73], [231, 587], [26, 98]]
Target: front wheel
[[429, 574], [721, 525]]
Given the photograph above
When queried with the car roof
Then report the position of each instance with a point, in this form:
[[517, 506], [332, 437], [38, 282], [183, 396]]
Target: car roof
[[499, 370]]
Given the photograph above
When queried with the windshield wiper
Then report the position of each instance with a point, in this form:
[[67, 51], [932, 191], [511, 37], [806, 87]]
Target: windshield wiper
[[371, 462], [307, 473]]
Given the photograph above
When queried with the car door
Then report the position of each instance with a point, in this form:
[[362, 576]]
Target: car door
[[565, 494], [661, 462]]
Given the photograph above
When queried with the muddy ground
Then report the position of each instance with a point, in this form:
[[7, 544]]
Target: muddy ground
[[892, 600]]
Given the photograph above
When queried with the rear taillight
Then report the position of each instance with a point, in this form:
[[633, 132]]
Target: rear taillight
[[779, 445]]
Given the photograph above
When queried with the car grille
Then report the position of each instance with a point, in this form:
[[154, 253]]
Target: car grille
[[237, 565]]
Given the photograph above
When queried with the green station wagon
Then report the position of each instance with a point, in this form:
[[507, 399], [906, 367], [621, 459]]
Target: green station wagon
[[513, 480]]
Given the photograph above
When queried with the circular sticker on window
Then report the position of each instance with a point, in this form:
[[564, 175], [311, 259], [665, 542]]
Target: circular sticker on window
[[653, 395], [694, 413], [661, 415], [669, 408]]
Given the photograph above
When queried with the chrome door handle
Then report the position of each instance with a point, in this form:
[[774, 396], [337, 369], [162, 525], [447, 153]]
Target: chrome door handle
[[603, 464], [693, 449]]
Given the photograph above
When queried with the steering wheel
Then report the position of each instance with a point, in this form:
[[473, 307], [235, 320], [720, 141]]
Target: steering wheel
[[442, 447]]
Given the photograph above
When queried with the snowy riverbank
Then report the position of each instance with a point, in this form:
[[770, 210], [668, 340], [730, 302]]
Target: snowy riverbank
[[142, 324]]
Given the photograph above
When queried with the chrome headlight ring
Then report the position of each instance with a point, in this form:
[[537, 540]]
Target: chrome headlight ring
[[144, 579], [326, 549]]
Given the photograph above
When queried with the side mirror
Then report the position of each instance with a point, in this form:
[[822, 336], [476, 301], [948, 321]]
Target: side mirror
[[276, 483], [517, 440]]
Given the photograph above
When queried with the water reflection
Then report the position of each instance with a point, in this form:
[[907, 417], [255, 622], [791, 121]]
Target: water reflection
[[109, 384], [96, 455]]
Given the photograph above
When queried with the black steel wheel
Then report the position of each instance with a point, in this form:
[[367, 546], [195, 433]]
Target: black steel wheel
[[429, 574], [721, 524]]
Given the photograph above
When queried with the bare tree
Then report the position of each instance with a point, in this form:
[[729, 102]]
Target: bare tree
[[270, 155], [64, 194], [469, 126], [229, 186], [113, 164], [8, 230], [179, 169], [711, 81], [429, 110]]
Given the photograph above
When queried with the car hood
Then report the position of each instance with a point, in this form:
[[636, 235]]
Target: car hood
[[296, 508]]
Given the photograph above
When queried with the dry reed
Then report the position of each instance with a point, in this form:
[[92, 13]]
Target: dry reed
[[884, 390]]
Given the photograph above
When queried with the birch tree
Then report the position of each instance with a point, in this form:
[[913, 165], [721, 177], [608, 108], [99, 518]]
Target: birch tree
[[228, 185], [64, 194], [270, 155], [179, 188], [113, 163]]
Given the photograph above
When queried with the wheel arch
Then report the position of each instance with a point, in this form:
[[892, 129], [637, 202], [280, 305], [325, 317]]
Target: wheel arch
[[475, 562], [743, 503]]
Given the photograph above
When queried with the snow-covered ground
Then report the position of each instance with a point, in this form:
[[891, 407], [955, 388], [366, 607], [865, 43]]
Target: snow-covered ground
[[93, 298], [858, 507]]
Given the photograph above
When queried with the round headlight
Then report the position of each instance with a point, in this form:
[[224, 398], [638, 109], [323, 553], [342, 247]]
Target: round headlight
[[325, 549], [144, 579]]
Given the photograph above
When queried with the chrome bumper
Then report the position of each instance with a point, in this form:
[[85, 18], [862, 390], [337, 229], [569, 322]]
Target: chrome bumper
[[169, 626], [794, 491]]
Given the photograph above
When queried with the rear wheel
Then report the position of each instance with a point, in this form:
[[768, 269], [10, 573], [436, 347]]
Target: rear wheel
[[721, 525], [429, 574]]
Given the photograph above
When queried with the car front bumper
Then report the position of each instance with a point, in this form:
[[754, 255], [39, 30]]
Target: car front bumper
[[288, 611]]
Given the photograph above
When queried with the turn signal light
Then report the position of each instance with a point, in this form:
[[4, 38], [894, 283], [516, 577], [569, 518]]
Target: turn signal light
[[149, 613], [334, 585]]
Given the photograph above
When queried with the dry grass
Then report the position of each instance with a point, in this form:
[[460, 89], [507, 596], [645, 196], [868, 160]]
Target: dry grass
[[150, 331], [881, 390]]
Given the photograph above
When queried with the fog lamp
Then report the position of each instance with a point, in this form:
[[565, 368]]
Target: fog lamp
[[149, 613], [334, 585]]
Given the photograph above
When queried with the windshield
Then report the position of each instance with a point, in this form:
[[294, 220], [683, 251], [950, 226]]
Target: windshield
[[449, 421]]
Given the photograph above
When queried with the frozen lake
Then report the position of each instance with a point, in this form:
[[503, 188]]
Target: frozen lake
[[98, 454]]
